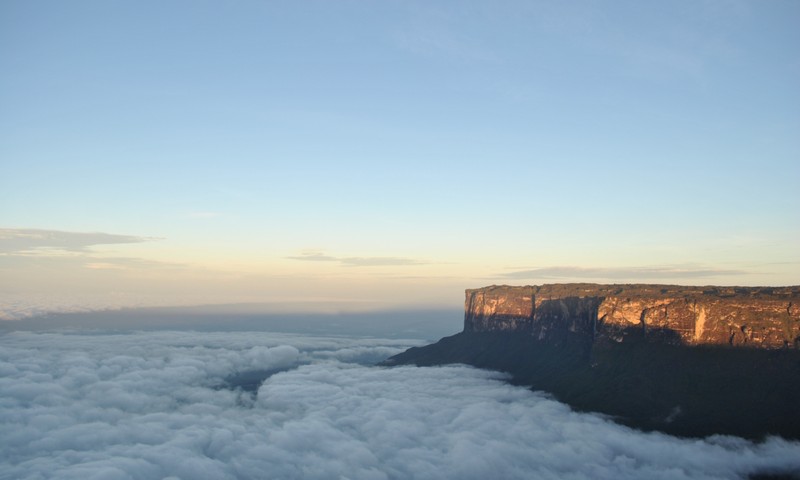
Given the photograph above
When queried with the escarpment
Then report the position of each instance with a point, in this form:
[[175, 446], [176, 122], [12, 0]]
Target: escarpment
[[736, 316], [690, 361]]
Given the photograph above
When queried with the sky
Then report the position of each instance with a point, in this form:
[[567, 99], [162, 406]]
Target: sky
[[148, 405], [389, 154]]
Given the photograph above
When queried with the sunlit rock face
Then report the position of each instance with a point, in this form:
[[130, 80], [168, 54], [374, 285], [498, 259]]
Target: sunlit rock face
[[739, 316], [498, 309]]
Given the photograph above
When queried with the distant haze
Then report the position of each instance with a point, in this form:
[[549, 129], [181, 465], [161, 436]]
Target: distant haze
[[424, 324]]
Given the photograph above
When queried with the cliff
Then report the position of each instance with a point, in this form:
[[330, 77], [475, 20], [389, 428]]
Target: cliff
[[738, 316], [690, 361]]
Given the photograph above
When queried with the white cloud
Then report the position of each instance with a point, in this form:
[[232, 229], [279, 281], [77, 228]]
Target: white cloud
[[147, 405]]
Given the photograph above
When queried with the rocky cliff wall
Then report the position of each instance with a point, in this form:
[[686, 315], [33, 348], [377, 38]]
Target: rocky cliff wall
[[740, 316]]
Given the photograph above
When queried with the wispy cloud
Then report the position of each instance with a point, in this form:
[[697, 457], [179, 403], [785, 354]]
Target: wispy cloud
[[62, 260], [30, 240], [357, 261], [622, 273], [378, 261], [103, 266], [314, 257], [55, 248], [124, 263]]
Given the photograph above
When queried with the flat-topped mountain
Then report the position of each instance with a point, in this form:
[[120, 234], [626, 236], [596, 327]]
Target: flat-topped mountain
[[690, 361], [764, 317]]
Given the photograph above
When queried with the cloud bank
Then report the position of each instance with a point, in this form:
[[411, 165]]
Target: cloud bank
[[26, 240], [149, 405], [357, 261], [27, 248]]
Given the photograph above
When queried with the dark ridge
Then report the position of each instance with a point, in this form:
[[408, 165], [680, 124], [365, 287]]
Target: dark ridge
[[775, 476], [251, 380], [684, 391], [689, 361]]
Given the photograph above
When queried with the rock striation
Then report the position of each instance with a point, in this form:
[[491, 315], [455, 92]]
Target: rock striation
[[761, 317]]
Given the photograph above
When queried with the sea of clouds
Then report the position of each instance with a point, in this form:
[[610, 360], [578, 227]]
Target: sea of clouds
[[153, 405]]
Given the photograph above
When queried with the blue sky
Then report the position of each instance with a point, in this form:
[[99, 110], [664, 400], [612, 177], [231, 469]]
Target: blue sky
[[395, 152]]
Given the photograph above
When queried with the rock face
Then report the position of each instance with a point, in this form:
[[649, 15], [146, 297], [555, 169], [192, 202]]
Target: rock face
[[762, 317], [629, 351]]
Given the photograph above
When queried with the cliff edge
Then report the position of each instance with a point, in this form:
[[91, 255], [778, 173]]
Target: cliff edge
[[689, 361], [762, 317]]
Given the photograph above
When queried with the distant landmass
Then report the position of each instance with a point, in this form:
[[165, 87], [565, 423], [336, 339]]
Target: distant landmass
[[690, 361]]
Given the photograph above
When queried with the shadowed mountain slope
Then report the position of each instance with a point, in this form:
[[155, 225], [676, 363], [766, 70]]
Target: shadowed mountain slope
[[645, 373]]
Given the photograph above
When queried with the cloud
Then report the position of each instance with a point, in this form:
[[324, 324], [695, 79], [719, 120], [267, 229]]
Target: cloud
[[314, 257], [65, 251], [149, 405], [129, 262], [378, 261], [125, 263], [71, 261], [357, 261], [29, 240], [621, 273], [104, 266], [19, 306]]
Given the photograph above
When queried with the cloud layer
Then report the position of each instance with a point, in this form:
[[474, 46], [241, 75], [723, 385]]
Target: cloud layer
[[357, 261], [22, 240], [148, 405], [622, 273]]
